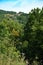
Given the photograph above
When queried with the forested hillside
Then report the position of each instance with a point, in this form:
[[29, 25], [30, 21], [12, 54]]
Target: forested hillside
[[21, 37]]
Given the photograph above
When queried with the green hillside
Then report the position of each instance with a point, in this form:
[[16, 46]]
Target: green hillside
[[21, 37], [20, 17]]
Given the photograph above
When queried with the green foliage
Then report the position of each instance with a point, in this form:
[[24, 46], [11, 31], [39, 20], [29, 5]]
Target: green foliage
[[21, 37], [34, 34], [5, 60], [10, 32]]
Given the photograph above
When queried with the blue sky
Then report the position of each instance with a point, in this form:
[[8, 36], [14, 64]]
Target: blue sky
[[20, 5]]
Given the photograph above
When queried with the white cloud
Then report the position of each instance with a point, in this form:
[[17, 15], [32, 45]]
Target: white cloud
[[24, 5]]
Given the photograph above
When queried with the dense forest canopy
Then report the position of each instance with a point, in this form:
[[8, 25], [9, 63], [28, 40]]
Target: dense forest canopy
[[21, 37]]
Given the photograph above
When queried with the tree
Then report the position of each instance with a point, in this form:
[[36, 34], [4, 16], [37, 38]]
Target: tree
[[33, 33]]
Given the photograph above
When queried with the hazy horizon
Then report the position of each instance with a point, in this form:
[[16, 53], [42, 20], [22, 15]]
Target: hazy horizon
[[20, 5]]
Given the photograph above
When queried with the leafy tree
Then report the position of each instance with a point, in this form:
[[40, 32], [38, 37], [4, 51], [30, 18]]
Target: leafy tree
[[33, 33]]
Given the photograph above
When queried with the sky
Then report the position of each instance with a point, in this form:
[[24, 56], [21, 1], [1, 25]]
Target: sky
[[20, 5]]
